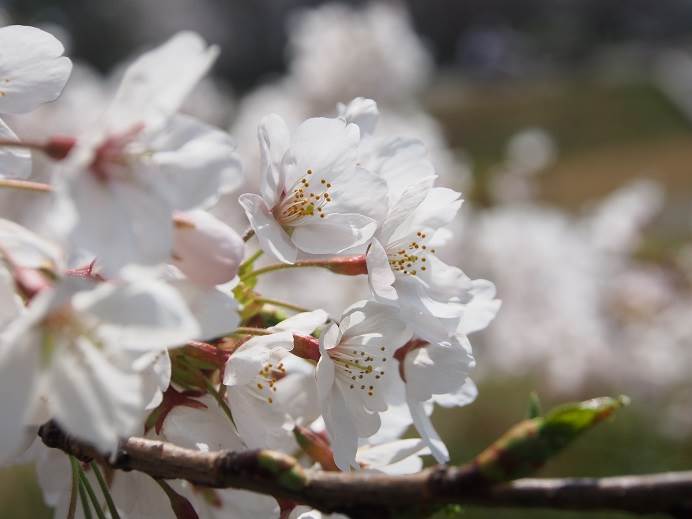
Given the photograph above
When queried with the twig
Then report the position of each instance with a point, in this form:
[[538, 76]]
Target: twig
[[379, 495]]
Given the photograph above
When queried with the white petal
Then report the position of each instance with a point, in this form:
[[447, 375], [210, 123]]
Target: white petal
[[190, 163], [32, 70], [138, 496], [19, 364], [156, 84], [362, 112], [481, 309], [120, 223], [14, 162], [244, 364], [325, 376], [143, 314], [305, 322], [438, 209], [359, 192], [334, 233], [274, 140], [28, 249], [380, 275], [273, 239], [202, 429], [427, 431], [390, 452], [402, 163], [341, 429], [10, 303], [205, 249], [91, 398], [327, 147], [466, 394], [215, 311], [437, 369]]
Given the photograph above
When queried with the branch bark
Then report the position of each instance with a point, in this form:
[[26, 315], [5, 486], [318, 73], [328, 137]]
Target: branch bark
[[364, 495]]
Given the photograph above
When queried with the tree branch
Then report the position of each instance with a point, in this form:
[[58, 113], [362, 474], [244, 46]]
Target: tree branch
[[380, 495]]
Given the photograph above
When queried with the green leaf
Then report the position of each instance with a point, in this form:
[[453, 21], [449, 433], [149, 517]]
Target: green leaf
[[529, 444], [534, 410]]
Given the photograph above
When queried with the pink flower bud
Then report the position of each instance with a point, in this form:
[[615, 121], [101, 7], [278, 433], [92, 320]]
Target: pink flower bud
[[205, 249], [348, 266], [59, 146]]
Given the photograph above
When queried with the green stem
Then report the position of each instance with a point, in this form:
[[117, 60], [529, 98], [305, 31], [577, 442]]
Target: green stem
[[72, 507], [270, 268], [92, 495], [85, 502], [105, 491], [247, 330], [250, 260], [25, 185], [282, 304]]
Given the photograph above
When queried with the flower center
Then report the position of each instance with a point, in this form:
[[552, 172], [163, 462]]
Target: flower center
[[409, 257], [266, 379], [358, 369], [112, 153], [307, 197]]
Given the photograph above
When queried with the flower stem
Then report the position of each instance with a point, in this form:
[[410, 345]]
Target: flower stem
[[272, 268], [346, 265], [25, 185], [72, 507], [92, 495], [282, 304], [85, 501], [105, 491], [250, 260], [9, 143], [246, 330]]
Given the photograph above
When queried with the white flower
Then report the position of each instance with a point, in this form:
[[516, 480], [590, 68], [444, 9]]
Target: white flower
[[404, 271], [126, 178], [32, 72], [63, 358], [437, 372], [205, 249], [315, 198], [355, 362], [252, 376]]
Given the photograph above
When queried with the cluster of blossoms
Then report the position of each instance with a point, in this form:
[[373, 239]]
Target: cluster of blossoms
[[130, 309]]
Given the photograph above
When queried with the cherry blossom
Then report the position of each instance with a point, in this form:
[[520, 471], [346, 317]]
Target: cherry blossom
[[355, 365], [143, 162], [253, 374], [315, 199], [69, 342], [33, 71]]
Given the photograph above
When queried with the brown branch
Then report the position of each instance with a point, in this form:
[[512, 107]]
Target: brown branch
[[380, 495]]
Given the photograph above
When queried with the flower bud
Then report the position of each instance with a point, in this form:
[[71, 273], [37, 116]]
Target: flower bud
[[59, 146], [205, 249], [306, 347], [316, 447], [348, 266]]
